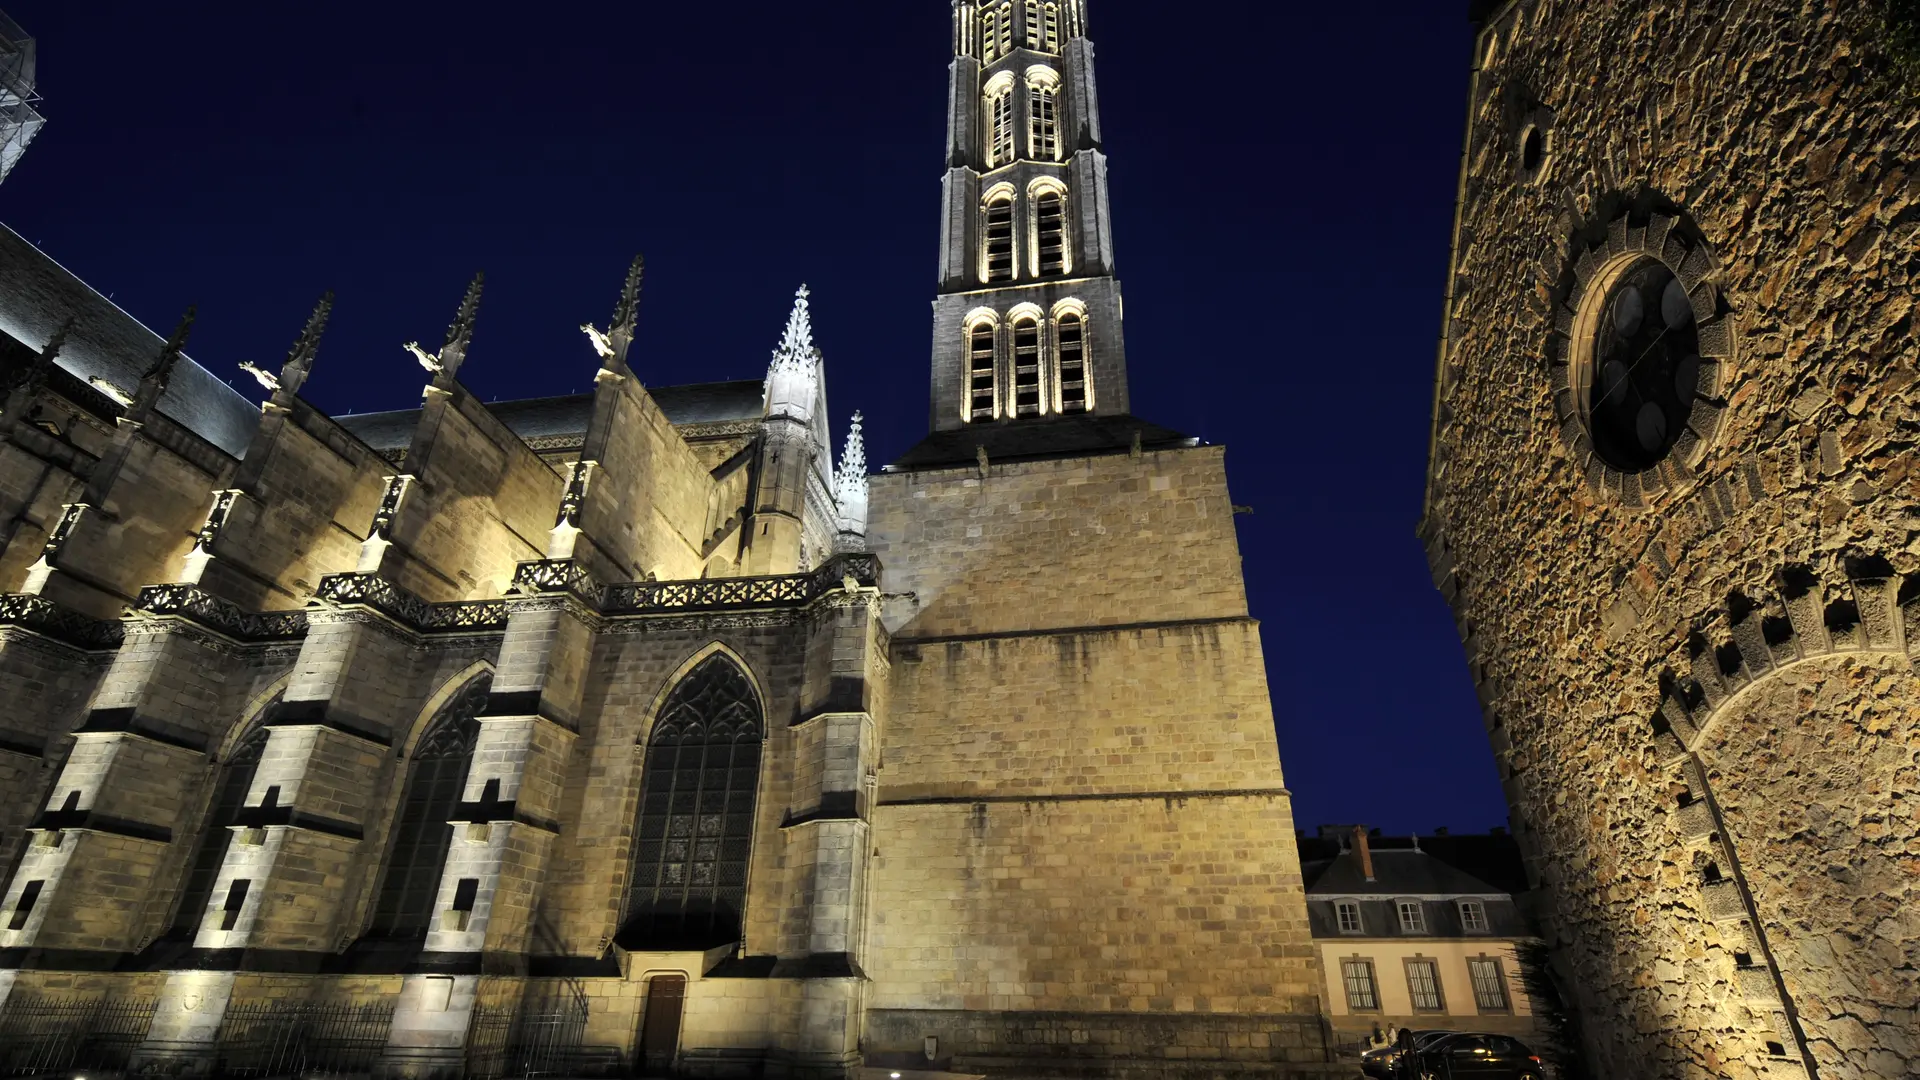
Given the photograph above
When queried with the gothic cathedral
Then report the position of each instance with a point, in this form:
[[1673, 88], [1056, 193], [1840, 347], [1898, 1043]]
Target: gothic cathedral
[[628, 731]]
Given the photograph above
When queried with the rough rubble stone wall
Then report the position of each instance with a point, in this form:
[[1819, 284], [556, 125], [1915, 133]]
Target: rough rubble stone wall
[[1603, 635]]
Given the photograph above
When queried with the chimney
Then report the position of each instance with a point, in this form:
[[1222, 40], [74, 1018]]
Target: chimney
[[1366, 853]]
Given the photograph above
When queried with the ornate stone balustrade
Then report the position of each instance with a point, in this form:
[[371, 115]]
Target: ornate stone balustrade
[[43, 616], [704, 595], [223, 616]]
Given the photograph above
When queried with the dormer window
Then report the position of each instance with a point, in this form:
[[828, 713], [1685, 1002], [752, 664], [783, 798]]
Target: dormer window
[[1473, 916], [1346, 914], [1413, 916]]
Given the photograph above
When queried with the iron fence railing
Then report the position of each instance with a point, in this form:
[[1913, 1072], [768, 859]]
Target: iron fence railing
[[41, 1036], [304, 1039], [542, 1035]]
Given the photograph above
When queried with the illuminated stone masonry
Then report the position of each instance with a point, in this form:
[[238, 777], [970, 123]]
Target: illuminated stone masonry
[[628, 731], [1671, 503]]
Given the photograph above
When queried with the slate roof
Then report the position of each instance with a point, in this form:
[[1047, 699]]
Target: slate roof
[[535, 418], [1397, 872], [38, 294], [1032, 440]]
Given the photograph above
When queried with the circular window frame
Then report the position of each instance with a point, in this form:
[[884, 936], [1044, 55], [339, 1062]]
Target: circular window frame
[[1537, 123], [1596, 266]]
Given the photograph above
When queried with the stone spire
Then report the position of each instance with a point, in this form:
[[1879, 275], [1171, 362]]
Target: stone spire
[[793, 379], [850, 486]]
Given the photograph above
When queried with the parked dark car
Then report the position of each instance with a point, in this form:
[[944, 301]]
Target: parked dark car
[[1379, 1063], [1471, 1056]]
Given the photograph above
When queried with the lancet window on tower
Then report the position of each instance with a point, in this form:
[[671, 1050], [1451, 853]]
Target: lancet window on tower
[[1050, 28], [1026, 366], [1074, 393], [980, 371], [997, 238], [694, 830], [1043, 108], [1049, 231], [436, 778], [229, 798], [996, 31], [999, 123]]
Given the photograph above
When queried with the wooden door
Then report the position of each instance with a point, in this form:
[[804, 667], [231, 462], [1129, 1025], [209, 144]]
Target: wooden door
[[660, 1026]]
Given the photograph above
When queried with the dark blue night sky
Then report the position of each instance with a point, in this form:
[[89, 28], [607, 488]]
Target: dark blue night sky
[[1283, 177]]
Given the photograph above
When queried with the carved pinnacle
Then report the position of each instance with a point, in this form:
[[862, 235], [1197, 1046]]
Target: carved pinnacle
[[460, 334], [300, 358], [626, 312], [153, 385]]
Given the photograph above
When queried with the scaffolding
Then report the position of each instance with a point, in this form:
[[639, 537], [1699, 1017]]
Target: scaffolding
[[20, 120]]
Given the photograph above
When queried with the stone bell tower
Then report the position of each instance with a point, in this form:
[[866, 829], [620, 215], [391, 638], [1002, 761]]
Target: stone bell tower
[[1027, 324]]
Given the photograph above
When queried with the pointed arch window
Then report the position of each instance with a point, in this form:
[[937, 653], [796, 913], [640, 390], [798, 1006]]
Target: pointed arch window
[[1050, 232], [980, 371], [1026, 366], [1075, 392], [1050, 28], [997, 234], [694, 830], [436, 777], [1035, 39], [1043, 108], [999, 124], [210, 850]]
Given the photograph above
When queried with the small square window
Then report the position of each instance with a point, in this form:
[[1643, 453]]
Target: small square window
[[1413, 917], [1473, 916], [1347, 912]]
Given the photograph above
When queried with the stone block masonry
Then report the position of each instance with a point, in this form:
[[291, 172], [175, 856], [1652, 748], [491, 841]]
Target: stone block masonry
[[1696, 671]]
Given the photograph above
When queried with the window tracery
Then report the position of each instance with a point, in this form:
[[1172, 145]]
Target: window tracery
[[436, 778], [693, 831]]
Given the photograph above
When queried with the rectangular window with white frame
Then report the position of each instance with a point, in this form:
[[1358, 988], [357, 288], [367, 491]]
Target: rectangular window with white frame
[[1413, 916], [1473, 916], [1347, 914], [1357, 974], [1489, 984], [1423, 985]]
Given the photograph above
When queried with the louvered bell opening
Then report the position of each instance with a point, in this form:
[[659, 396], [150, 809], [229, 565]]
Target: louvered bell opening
[[980, 375], [1000, 241], [1026, 368], [1073, 365], [1052, 228]]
